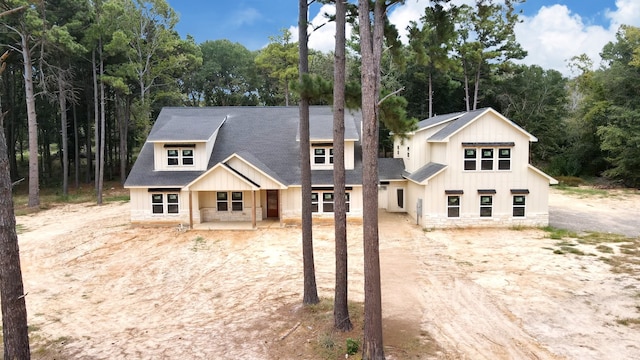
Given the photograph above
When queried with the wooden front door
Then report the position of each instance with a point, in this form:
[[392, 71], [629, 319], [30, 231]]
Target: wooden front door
[[272, 204]]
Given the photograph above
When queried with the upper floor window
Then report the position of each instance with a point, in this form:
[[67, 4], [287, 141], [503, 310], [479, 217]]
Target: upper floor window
[[165, 203], [490, 158], [323, 155], [179, 156]]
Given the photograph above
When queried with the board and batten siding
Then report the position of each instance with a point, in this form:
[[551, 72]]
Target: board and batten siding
[[254, 174], [140, 201], [291, 204], [200, 158]]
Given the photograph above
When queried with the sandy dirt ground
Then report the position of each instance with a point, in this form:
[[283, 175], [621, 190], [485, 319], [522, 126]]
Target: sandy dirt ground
[[101, 289]]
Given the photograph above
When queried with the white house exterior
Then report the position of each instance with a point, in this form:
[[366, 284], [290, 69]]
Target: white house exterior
[[467, 169], [204, 166], [241, 164]]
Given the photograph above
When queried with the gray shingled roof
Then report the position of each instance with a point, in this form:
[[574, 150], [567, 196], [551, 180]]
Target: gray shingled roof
[[457, 124], [438, 119], [321, 129], [390, 169], [264, 136], [426, 172], [186, 124]]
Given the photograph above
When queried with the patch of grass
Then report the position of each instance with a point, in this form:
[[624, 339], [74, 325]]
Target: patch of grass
[[584, 191], [117, 198], [557, 234], [628, 321], [199, 243], [20, 229], [604, 249], [572, 250], [565, 181], [600, 237]]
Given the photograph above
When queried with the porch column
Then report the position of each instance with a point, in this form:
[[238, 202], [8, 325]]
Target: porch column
[[253, 209], [190, 210]]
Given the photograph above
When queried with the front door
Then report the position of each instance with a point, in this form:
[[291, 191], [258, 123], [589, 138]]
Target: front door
[[272, 203]]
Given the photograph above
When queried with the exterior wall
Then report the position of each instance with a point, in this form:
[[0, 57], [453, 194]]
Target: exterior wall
[[489, 129], [141, 211], [291, 205], [418, 152], [207, 207], [388, 196], [223, 179], [200, 158], [349, 158], [252, 173]]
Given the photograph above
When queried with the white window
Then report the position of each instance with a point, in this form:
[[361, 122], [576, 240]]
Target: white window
[[162, 203], [226, 201], [504, 159], [487, 159], [518, 205], [486, 205], [453, 206], [470, 156], [322, 155], [322, 202], [176, 157]]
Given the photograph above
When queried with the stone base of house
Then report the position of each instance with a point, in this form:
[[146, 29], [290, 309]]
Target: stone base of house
[[212, 214], [475, 222]]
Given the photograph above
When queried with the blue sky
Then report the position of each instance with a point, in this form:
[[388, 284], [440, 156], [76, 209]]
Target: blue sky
[[552, 31]]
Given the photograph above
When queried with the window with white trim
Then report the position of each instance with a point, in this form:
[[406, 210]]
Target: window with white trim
[[487, 159], [322, 202], [162, 203], [323, 155], [470, 156], [176, 157], [453, 206], [491, 158], [486, 205], [519, 205], [226, 201]]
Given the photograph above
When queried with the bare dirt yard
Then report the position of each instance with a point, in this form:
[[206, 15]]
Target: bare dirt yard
[[99, 288]]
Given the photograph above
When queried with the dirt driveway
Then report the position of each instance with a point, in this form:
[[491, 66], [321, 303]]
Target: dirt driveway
[[101, 289]]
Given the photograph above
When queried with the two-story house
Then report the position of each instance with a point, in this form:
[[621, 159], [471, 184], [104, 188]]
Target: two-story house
[[203, 166], [466, 169]]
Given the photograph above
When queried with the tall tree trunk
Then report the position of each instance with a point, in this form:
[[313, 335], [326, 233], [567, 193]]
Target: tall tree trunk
[[34, 175], [466, 86], [76, 148], [430, 95], [371, 48], [476, 88], [14, 312], [341, 319], [96, 117], [124, 134], [102, 130], [310, 289], [65, 137]]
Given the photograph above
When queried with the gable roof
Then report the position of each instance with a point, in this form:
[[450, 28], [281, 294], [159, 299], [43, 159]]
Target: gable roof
[[321, 128], [426, 172], [265, 137], [458, 123], [180, 124], [390, 169], [437, 120]]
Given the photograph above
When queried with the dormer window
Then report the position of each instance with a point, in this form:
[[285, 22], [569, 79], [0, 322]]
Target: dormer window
[[177, 155], [323, 155]]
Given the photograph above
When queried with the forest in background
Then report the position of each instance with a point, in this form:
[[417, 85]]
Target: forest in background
[[91, 77]]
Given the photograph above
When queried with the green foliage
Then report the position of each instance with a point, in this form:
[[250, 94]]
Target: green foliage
[[279, 61], [353, 346]]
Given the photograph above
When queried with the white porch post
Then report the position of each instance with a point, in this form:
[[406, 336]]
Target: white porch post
[[253, 209]]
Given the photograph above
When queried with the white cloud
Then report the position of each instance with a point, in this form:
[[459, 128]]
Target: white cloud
[[627, 12], [322, 31], [552, 36]]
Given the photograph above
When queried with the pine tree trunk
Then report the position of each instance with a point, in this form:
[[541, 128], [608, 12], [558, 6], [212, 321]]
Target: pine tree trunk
[[14, 311], [371, 48], [34, 175], [96, 117], [341, 319], [310, 289], [65, 137], [102, 133]]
